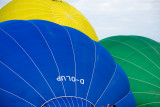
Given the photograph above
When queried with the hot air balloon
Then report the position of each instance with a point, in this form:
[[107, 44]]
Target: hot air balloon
[[140, 59], [57, 11], [46, 64]]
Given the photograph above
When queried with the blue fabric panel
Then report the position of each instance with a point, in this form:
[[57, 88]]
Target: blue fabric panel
[[41, 60]]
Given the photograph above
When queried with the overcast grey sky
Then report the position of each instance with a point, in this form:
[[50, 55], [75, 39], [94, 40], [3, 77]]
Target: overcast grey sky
[[120, 17]]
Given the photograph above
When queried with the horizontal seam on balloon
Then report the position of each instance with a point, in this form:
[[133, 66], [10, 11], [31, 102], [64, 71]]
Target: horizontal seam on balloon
[[32, 61], [23, 10], [148, 103], [69, 97], [138, 51], [22, 79], [43, 2], [136, 66], [2, 10], [145, 93], [34, 15], [18, 97], [149, 45], [144, 82], [27, 3], [25, 53]]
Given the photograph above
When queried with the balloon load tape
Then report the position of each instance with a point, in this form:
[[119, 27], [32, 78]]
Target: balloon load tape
[[68, 101]]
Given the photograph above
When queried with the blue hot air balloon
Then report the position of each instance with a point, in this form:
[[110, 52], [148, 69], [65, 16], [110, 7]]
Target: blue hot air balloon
[[43, 64]]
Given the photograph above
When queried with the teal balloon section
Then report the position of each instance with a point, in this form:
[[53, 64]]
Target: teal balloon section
[[48, 65]]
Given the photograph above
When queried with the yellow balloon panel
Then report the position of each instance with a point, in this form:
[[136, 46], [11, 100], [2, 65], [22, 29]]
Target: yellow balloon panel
[[56, 11]]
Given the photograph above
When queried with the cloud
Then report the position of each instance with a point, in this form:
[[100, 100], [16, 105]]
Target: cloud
[[126, 17]]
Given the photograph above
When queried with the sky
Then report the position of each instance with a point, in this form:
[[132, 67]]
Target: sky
[[120, 17]]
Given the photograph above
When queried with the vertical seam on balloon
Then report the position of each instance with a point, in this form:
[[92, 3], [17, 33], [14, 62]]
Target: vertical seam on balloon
[[68, 8], [143, 82], [82, 25], [58, 21], [123, 97], [73, 24], [68, 101], [77, 102], [74, 62], [82, 102], [27, 55], [18, 97], [93, 68], [64, 7], [49, 50], [54, 104], [21, 10], [107, 85], [70, 13], [136, 66], [23, 80], [137, 51], [52, 57], [147, 104], [51, 9], [74, 59], [64, 102], [72, 102], [36, 66]]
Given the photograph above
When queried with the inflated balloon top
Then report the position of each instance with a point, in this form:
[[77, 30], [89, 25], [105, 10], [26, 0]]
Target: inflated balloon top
[[45, 64], [140, 59], [57, 11]]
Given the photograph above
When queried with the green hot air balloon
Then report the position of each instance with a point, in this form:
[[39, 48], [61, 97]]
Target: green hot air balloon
[[140, 59]]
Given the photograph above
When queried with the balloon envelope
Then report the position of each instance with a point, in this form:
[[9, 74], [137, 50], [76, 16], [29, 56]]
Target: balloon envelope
[[140, 59], [45, 64], [56, 11]]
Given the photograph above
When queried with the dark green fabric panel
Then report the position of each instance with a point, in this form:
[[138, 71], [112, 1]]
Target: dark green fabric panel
[[140, 59]]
